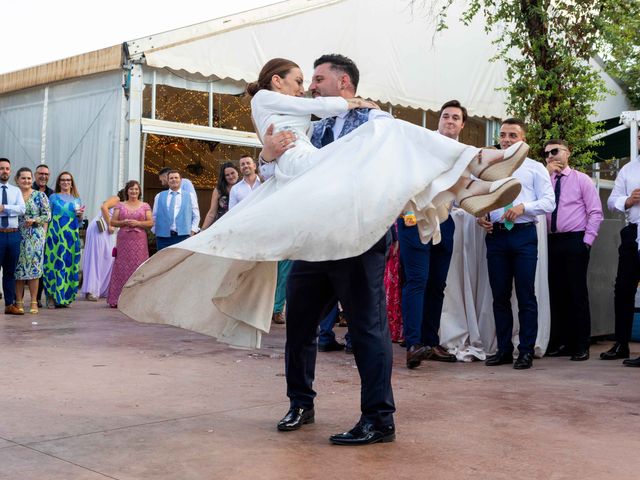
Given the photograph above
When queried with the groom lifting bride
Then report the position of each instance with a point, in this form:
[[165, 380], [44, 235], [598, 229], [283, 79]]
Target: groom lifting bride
[[348, 182], [313, 288]]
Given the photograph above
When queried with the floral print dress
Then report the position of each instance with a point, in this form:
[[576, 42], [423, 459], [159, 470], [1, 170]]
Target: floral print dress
[[31, 257]]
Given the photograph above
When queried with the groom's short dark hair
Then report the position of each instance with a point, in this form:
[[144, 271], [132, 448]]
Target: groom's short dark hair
[[342, 64]]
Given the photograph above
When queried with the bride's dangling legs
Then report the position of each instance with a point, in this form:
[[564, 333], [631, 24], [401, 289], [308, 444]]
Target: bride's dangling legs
[[491, 165], [479, 197]]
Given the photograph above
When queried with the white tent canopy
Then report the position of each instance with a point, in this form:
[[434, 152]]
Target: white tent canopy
[[402, 60]]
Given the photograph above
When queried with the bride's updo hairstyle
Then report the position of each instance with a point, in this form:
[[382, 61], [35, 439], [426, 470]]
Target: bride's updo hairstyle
[[275, 66]]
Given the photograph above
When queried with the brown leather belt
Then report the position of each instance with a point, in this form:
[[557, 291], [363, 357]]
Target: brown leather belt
[[8, 230]]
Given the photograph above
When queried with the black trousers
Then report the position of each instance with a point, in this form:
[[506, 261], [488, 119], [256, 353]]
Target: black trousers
[[313, 288], [568, 291], [626, 282]]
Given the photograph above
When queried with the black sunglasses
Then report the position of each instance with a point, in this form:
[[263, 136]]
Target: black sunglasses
[[553, 152]]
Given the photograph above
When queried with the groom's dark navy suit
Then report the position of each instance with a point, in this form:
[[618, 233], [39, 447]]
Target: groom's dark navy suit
[[313, 288]]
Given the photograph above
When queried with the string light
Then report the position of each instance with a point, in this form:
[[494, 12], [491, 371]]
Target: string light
[[198, 160]]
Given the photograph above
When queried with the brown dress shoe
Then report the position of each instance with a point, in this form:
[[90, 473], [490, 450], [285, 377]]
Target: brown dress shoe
[[439, 354], [13, 310], [278, 318], [415, 354]]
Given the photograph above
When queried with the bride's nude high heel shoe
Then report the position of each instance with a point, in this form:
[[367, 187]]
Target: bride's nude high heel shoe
[[479, 198], [497, 168]]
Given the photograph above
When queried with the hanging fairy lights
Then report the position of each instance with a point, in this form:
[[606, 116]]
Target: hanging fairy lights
[[198, 160]]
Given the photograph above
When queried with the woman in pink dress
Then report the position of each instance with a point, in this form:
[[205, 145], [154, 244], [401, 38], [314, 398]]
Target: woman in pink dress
[[132, 216]]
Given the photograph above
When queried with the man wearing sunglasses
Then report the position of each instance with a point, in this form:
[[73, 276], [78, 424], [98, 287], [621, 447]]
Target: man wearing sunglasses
[[572, 227], [625, 198]]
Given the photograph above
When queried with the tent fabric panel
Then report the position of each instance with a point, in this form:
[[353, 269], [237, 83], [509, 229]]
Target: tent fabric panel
[[98, 61], [83, 135], [21, 116], [402, 59]]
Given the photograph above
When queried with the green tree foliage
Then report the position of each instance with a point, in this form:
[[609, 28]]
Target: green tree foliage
[[621, 51], [547, 46]]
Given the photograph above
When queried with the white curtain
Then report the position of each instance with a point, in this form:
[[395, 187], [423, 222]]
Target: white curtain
[[82, 134], [21, 127]]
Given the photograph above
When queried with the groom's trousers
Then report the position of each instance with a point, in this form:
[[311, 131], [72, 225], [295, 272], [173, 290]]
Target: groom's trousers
[[313, 288]]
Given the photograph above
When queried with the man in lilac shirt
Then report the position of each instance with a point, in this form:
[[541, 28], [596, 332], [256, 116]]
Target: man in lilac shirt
[[572, 227]]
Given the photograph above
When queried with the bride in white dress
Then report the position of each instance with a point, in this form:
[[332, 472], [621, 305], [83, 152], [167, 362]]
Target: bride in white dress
[[221, 282]]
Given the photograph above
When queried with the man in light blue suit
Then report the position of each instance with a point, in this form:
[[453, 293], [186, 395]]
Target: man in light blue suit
[[176, 215]]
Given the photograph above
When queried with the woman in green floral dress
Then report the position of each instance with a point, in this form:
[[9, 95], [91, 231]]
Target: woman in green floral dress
[[62, 248], [32, 229]]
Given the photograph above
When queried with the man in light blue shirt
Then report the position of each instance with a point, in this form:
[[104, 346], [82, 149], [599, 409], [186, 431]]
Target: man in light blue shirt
[[11, 206]]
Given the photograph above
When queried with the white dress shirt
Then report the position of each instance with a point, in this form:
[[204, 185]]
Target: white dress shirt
[[537, 194], [14, 206], [241, 190], [627, 181], [195, 210]]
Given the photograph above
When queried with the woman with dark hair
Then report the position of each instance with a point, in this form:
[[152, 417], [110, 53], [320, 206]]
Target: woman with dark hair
[[322, 204], [227, 178], [133, 217], [62, 249], [32, 229], [97, 260]]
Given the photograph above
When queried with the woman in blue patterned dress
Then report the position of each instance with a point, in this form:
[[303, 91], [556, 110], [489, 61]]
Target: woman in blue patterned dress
[[62, 248], [32, 228]]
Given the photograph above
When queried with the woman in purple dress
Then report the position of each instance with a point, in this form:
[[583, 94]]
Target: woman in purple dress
[[132, 216], [97, 261]]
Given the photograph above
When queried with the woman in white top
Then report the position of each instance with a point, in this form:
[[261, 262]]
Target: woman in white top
[[222, 281]]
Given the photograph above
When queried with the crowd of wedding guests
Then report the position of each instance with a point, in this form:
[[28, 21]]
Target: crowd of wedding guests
[[39, 233]]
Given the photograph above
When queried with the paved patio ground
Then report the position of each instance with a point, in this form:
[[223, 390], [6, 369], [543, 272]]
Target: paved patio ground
[[87, 394]]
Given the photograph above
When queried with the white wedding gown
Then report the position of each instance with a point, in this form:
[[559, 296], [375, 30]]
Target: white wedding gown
[[323, 204]]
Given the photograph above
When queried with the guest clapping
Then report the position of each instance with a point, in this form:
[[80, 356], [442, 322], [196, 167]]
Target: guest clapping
[[132, 216], [32, 229], [62, 250], [227, 178]]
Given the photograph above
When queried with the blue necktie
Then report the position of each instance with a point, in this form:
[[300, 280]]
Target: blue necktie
[[5, 220], [327, 135], [172, 206]]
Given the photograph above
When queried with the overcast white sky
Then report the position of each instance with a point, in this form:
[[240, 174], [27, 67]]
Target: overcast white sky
[[40, 31]]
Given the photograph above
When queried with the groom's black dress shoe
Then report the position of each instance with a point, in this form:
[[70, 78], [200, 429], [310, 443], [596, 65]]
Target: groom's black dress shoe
[[635, 362], [524, 361], [499, 359], [295, 418], [365, 434], [616, 352]]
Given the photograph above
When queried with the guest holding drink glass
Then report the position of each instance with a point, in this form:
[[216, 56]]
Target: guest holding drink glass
[[32, 229], [62, 250]]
